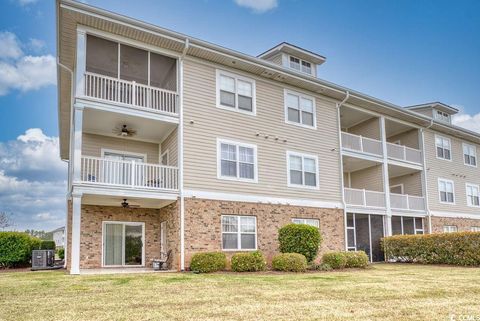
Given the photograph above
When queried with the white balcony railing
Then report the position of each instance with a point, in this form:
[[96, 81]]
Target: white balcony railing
[[130, 93], [102, 171], [364, 198], [407, 202], [362, 144], [404, 153]]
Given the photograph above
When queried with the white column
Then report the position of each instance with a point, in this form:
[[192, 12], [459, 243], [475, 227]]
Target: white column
[[77, 141], [76, 222], [424, 178], [180, 168], [386, 184], [81, 63]]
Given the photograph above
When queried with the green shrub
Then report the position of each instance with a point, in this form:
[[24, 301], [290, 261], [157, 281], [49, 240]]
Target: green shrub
[[208, 262], [248, 262], [47, 245], [300, 238], [337, 260], [289, 262], [61, 253], [324, 267], [462, 248], [16, 248], [358, 259]]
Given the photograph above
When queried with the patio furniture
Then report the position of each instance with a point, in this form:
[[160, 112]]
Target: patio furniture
[[162, 262]]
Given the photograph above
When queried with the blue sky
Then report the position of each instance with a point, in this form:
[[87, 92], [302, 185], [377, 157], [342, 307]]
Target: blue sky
[[405, 52]]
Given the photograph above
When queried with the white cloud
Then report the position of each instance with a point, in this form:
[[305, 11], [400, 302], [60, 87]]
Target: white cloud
[[33, 181], [26, 2], [19, 71], [258, 6], [471, 122]]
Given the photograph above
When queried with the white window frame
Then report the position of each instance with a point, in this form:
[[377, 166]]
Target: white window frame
[[307, 221], [239, 233], [123, 153], [450, 143], [301, 61], [221, 141], [236, 77], [475, 228], [397, 185], [453, 191], [450, 229], [124, 223], [165, 153], [442, 116], [303, 156], [469, 203], [304, 96], [415, 229], [474, 154]]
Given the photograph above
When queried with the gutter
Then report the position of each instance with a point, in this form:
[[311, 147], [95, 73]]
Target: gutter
[[427, 206]]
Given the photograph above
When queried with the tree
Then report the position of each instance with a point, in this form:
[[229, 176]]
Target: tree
[[5, 220]]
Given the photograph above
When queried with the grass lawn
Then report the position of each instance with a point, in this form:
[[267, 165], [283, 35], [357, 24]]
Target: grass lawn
[[383, 292]]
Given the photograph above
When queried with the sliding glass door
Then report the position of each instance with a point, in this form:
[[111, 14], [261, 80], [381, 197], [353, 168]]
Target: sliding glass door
[[364, 232], [123, 244]]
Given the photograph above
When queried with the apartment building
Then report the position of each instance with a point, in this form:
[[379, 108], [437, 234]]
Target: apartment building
[[176, 145]]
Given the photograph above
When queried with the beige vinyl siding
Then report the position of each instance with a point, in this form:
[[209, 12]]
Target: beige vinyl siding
[[170, 143], [454, 170], [369, 128], [92, 145], [369, 178], [412, 183], [425, 111], [210, 123], [408, 138], [277, 59]]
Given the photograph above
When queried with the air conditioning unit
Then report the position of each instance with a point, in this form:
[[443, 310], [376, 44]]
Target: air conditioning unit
[[43, 259]]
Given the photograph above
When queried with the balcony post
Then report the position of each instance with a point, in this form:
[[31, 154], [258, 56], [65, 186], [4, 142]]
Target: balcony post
[[408, 202], [81, 63], [134, 93], [134, 170], [76, 228], [77, 141], [386, 181], [364, 198], [361, 143]]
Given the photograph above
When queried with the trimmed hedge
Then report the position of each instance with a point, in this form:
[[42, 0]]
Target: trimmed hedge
[[462, 248], [47, 245], [300, 238], [16, 248], [208, 262], [61, 253], [289, 262], [336, 260], [248, 262]]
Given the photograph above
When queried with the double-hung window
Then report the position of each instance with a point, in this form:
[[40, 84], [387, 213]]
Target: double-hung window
[[300, 65], [302, 170], [235, 92], [446, 191], [299, 109], [308, 221], [473, 195], [469, 155], [237, 160], [450, 229], [239, 232], [444, 148]]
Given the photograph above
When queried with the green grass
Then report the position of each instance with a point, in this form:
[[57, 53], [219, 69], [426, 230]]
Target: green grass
[[382, 292]]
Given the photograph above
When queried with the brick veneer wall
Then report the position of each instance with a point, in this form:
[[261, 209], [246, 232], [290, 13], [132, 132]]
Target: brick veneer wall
[[463, 224], [203, 224]]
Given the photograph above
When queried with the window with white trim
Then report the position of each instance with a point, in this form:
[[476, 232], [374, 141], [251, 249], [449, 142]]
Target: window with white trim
[[237, 160], [406, 225], [239, 232], [475, 229], [302, 170], [450, 229], [473, 195], [469, 155], [308, 221], [299, 109], [444, 148], [300, 65], [442, 116], [235, 92], [446, 191]]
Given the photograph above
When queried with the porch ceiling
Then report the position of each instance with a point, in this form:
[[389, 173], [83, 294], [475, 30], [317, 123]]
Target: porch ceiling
[[103, 200], [352, 164], [396, 171]]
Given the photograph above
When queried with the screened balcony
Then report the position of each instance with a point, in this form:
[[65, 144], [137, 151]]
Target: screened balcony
[[130, 76]]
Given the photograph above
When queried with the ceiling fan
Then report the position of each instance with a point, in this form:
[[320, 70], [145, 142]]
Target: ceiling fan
[[124, 131], [125, 204]]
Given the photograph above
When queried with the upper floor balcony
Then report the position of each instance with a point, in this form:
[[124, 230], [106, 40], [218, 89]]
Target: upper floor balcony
[[127, 76], [362, 198]]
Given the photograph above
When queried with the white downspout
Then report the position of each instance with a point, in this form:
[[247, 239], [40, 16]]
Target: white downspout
[[180, 159], [425, 179], [340, 104]]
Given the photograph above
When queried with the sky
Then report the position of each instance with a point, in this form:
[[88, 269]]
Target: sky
[[405, 52]]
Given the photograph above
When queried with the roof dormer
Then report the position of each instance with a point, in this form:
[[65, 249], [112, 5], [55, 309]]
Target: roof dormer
[[436, 110], [293, 57]]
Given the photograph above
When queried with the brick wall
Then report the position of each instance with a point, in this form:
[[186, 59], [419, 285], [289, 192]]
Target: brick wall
[[203, 224], [463, 224]]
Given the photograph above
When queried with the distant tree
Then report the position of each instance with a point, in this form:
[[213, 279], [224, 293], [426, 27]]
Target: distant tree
[[5, 220], [41, 234]]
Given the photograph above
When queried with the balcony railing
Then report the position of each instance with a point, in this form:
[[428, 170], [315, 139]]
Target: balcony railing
[[407, 202], [102, 171], [404, 153], [364, 198], [130, 93], [362, 144]]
